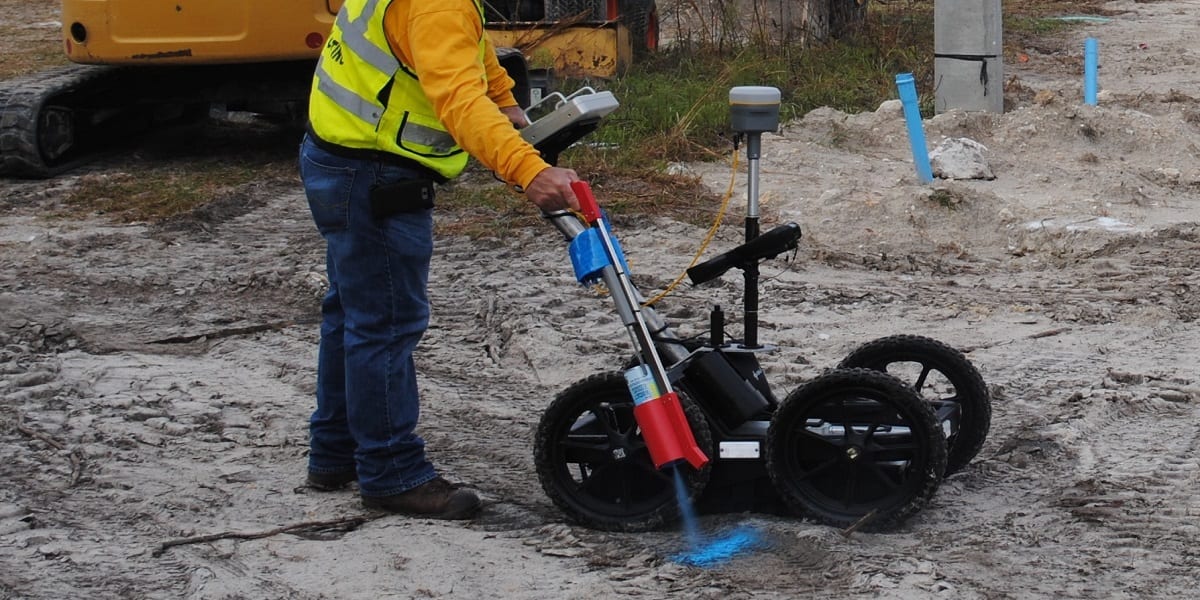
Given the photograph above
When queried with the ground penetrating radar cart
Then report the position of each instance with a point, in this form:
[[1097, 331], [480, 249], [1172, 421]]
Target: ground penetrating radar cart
[[863, 445]]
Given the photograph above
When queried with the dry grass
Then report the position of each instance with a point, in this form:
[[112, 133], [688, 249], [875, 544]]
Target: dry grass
[[165, 191], [1043, 8], [178, 171], [32, 37], [477, 206], [38, 55]]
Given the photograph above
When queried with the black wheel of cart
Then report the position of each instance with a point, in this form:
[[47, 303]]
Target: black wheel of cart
[[943, 377], [855, 446], [594, 465]]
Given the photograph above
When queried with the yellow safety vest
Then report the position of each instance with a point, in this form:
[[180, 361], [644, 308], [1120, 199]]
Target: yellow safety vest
[[356, 69]]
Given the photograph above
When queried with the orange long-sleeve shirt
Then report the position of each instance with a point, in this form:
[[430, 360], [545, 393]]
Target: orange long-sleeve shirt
[[439, 42]]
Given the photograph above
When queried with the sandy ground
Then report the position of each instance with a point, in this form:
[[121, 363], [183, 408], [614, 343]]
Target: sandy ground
[[156, 380]]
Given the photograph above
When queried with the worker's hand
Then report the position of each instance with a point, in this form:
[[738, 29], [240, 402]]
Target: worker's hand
[[551, 189], [516, 116]]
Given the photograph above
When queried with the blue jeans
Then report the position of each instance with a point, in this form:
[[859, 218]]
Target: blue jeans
[[374, 314]]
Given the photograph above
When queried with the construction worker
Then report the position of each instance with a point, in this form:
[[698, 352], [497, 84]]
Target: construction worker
[[404, 91]]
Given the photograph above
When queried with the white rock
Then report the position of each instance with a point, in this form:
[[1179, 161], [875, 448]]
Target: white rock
[[893, 107], [960, 158]]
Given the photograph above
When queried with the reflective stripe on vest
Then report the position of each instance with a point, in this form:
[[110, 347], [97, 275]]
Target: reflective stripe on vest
[[376, 57], [356, 67]]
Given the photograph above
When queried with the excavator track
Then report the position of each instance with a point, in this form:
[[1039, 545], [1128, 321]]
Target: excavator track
[[40, 126], [57, 120]]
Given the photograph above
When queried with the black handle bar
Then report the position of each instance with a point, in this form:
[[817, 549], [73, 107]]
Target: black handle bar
[[768, 245]]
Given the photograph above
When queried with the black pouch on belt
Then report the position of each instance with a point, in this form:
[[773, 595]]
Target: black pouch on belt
[[410, 195]]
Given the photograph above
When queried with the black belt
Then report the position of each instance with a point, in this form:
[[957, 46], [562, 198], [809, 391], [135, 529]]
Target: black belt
[[374, 155]]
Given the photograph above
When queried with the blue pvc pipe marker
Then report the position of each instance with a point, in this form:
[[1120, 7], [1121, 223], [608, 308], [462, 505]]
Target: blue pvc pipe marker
[[1091, 59], [916, 132]]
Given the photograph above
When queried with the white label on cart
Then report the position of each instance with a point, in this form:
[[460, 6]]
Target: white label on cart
[[739, 450]]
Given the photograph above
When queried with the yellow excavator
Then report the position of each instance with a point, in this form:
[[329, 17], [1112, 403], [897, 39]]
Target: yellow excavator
[[142, 64]]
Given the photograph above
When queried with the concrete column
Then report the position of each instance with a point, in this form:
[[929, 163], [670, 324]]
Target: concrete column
[[968, 64]]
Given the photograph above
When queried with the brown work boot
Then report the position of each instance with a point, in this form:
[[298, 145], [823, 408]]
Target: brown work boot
[[330, 482], [435, 499]]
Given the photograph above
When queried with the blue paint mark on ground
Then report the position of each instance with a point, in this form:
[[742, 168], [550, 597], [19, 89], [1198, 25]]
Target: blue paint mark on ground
[[715, 551]]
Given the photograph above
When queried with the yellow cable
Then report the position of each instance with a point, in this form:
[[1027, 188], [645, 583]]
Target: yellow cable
[[712, 231]]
